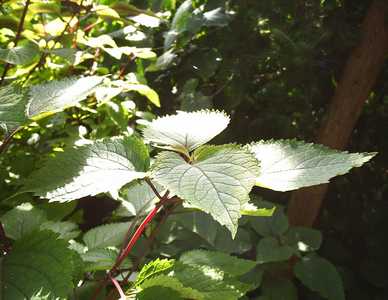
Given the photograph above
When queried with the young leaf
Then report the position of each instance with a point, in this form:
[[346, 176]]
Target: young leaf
[[39, 262], [57, 95], [321, 276], [153, 268], [106, 235], [22, 220], [270, 250], [290, 164], [186, 131], [224, 262], [13, 100], [102, 166], [218, 181]]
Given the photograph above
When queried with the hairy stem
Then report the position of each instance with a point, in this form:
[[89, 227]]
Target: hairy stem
[[17, 38]]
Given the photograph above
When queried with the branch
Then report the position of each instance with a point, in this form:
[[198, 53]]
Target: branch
[[17, 38]]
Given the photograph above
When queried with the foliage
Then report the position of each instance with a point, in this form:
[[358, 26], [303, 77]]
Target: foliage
[[85, 161]]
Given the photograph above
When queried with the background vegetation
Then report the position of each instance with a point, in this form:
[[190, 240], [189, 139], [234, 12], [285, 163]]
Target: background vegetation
[[273, 65]]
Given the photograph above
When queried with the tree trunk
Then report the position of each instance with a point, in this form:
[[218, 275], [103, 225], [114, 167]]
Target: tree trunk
[[355, 85]]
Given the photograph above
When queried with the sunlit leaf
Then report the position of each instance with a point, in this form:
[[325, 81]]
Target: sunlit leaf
[[204, 182], [186, 131], [289, 164], [99, 167]]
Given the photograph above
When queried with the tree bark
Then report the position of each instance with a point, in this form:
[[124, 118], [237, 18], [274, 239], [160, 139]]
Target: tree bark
[[358, 78]]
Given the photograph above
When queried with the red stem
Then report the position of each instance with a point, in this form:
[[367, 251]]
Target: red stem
[[139, 231], [118, 287]]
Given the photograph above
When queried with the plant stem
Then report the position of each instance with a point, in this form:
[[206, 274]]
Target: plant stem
[[130, 244], [17, 37], [118, 287]]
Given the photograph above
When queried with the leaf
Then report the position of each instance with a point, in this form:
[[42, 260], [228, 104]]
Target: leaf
[[224, 262], [290, 164], [184, 131], [57, 95], [210, 282], [68, 54], [133, 85], [304, 239], [275, 225], [249, 209], [102, 259], [13, 100], [163, 62], [218, 181], [153, 268], [38, 263], [106, 235], [279, 289], [138, 199], [321, 276], [191, 99], [174, 284], [20, 55], [22, 220], [158, 292], [270, 250], [105, 165], [179, 23], [66, 230], [216, 17]]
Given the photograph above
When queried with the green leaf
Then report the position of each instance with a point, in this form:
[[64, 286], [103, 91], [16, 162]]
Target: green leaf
[[218, 181], [38, 263], [13, 100], [102, 259], [179, 23], [321, 276], [290, 164], [55, 96], [174, 284], [139, 198], [22, 220], [250, 209], [209, 281], [191, 99], [184, 131], [158, 292], [66, 230], [224, 262], [20, 55], [68, 54], [106, 235], [153, 268], [270, 250], [275, 225], [99, 167], [304, 239], [278, 289]]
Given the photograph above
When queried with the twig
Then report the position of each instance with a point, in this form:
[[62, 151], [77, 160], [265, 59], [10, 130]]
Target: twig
[[130, 245], [17, 38]]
